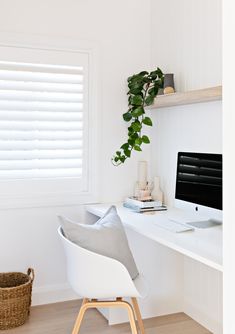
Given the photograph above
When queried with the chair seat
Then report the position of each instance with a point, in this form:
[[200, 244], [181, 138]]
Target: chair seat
[[94, 276]]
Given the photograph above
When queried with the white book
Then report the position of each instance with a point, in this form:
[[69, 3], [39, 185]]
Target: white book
[[135, 208], [142, 204]]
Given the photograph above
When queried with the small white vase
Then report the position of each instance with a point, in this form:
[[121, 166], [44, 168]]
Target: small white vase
[[157, 194]]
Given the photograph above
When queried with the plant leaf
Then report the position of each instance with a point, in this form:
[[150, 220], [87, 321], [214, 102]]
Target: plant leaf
[[159, 72], [147, 80], [138, 141], [137, 148], [134, 135], [149, 100], [127, 116], [135, 91], [130, 130], [147, 121], [153, 91], [137, 112], [136, 100], [154, 74], [127, 153], [143, 73], [131, 142], [124, 147], [145, 139], [136, 84], [122, 158], [136, 126]]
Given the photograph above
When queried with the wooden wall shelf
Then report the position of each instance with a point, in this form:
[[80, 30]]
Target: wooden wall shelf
[[190, 97]]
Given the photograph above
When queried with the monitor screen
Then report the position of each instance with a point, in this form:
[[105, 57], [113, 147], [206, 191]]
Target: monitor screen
[[199, 179]]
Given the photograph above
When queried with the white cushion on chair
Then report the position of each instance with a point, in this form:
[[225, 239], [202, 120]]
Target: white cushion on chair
[[106, 237]]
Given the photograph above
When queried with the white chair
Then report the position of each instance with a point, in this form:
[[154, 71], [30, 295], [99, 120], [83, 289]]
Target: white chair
[[95, 277]]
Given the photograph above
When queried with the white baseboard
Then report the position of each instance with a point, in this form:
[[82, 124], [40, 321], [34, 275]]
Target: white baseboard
[[52, 294], [197, 314]]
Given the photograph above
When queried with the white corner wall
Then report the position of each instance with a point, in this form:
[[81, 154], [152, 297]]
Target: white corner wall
[[28, 236], [186, 41]]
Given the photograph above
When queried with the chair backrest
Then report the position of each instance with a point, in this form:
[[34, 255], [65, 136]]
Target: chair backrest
[[96, 276]]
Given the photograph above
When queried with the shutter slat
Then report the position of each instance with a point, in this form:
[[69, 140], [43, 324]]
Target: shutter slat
[[40, 125], [40, 154], [40, 164], [15, 95], [40, 135], [40, 144], [41, 77], [40, 106], [43, 68], [40, 86], [40, 173], [40, 115]]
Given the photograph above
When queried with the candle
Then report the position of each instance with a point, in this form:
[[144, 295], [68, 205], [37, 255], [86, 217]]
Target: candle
[[144, 195], [142, 175]]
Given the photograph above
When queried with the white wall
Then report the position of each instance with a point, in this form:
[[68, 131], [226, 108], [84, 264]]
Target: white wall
[[191, 128], [28, 236], [29, 239], [186, 40]]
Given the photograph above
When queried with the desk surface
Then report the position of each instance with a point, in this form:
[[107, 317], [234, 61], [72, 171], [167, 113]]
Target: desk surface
[[203, 245]]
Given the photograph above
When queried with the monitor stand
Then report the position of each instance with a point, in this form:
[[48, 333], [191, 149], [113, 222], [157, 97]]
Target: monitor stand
[[206, 223]]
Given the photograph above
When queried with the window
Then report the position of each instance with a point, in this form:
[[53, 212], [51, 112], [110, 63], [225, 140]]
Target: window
[[47, 151], [41, 121]]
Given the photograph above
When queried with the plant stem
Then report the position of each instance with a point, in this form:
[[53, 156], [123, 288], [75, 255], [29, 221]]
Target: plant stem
[[144, 97]]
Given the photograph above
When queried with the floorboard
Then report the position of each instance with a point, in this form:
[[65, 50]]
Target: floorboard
[[59, 319]]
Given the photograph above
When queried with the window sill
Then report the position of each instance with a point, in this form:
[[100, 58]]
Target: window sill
[[47, 200]]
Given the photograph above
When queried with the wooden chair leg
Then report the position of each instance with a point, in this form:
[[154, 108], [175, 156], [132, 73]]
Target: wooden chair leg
[[138, 315], [131, 318], [86, 304], [80, 316]]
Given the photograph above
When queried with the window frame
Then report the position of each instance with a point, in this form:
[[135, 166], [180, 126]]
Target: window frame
[[26, 193]]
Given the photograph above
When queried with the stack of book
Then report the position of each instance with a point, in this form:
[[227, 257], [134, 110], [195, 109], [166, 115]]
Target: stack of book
[[142, 205]]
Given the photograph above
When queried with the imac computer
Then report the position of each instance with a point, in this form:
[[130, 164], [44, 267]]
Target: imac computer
[[199, 188]]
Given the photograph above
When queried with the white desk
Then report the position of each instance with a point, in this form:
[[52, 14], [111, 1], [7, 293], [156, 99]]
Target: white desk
[[194, 259], [203, 245]]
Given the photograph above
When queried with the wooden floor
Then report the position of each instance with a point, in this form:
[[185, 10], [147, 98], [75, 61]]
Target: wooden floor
[[59, 319]]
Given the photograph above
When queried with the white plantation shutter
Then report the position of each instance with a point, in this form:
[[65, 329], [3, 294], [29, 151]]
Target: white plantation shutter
[[41, 120]]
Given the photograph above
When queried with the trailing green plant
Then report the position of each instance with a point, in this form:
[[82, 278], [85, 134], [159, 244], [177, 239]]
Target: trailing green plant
[[143, 88]]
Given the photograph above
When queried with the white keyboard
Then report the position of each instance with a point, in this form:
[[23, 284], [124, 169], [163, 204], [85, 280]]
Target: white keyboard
[[174, 226]]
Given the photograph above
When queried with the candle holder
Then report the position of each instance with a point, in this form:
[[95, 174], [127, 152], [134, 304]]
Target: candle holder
[[142, 194], [169, 86], [142, 175]]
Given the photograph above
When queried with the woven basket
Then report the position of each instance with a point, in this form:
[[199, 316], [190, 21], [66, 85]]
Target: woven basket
[[15, 298]]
